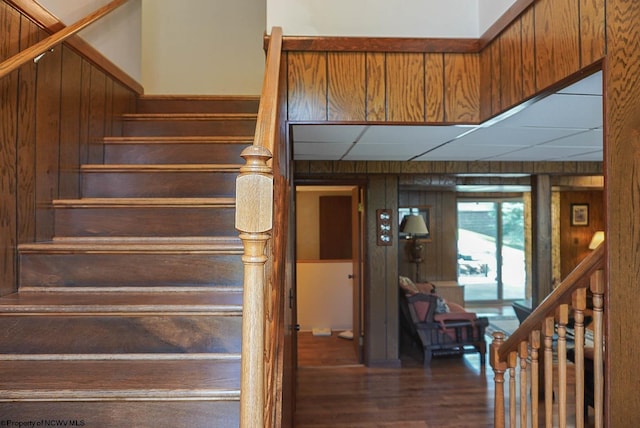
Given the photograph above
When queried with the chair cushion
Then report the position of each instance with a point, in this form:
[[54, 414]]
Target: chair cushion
[[408, 286]]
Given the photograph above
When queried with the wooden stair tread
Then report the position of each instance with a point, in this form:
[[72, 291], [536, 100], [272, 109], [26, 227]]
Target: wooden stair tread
[[155, 202], [215, 379], [187, 116], [232, 139], [216, 300], [161, 167], [169, 245]]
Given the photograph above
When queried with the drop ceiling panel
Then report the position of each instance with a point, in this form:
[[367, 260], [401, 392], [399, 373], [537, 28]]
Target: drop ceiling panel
[[499, 136], [422, 136], [327, 133]]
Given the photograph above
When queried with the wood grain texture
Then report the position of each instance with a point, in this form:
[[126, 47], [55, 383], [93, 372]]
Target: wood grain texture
[[9, 45], [346, 86], [462, 88], [47, 141], [26, 145], [97, 115], [592, 31], [528, 53], [557, 30], [70, 106], [434, 87], [511, 65], [495, 83], [378, 44], [405, 87], [376, 95], [622, 163], [307, 85]]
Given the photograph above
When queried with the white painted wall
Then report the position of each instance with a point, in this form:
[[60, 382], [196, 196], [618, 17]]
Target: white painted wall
[[203, 46], [379, 18], [324, 295], [117, 36], [489, 11]]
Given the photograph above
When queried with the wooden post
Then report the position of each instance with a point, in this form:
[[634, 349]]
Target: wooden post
[[579, 305], [597, 288], [549, 323], [534, 339], [254, 220], [563, 318], [523, 353], [499, 367]]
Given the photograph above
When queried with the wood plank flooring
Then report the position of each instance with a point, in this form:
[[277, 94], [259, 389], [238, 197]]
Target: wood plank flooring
[[451, 392]]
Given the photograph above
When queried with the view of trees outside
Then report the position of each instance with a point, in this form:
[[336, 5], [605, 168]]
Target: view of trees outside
[[479, 240]]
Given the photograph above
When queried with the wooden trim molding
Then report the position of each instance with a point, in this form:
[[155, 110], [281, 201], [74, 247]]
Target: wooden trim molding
[[50, 23], [379, 44], [511, 14]]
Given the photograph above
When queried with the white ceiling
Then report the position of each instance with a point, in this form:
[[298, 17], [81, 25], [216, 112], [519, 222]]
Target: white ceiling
[[565, 126]]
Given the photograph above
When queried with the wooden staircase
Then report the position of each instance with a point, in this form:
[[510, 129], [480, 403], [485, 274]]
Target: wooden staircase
[[131, 315]]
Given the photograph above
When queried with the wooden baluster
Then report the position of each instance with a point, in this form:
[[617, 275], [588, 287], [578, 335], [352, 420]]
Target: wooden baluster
[[499, 367], [512, 363], [548, 327], [523, 354], [597, 289], [579, 303], [563, 319], [254, 220], [534, 339]]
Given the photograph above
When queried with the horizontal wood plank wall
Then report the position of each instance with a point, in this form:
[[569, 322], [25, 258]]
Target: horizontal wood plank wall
[[54, 115]]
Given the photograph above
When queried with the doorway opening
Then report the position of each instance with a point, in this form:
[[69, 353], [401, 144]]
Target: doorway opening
[[328, 285], [491, 249]]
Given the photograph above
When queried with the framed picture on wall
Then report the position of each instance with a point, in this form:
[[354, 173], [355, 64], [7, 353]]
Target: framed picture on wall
[[579, 214]]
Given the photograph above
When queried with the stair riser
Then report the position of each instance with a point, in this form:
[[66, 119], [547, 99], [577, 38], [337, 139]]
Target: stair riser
[[132, 270], [157, 414], [158, 184], [173, 153], [197, 105], [124, 334], [187, 127], [145, 221]]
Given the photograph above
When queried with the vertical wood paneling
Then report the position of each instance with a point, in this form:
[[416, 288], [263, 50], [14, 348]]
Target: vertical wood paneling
[[121, 104], [486, 82], [70, 126], [528, 53], [557, 31], [622, 163], [307, 85], [462, 88], [47, 141], [495, 78], [511, 66], [592, 33], [85, 111], [405, 87], [29, 35], [376, 94], [434, 81], [97, 114], [9, 45], [346, 86]]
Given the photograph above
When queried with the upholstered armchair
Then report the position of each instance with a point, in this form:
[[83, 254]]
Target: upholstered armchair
[[441, 327]]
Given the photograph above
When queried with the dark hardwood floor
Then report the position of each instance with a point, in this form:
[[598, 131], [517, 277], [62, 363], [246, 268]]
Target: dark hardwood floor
[[333, 392]]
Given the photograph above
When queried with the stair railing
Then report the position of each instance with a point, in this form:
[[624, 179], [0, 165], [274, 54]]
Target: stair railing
[[33, 52], [531, 348], [255, 221]]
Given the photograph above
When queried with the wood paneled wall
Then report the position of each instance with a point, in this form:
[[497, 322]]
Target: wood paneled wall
[[440, 253], [574, 240], [53, 115], [339, 81]]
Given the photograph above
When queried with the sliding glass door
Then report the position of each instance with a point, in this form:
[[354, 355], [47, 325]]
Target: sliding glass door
[[491, 263]]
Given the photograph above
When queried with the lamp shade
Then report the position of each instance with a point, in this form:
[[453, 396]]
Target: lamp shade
[[597, 239], [414, 225]]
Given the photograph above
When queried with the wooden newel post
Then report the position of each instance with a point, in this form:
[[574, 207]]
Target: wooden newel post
[[499, 368], [254, 221]]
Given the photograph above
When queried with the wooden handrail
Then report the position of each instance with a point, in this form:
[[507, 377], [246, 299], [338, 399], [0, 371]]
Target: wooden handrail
[[254, 221], [266, 124], [562, 294], [43, 46]]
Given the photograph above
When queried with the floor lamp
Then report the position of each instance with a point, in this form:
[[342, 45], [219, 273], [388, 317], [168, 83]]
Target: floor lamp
[[414, 226]]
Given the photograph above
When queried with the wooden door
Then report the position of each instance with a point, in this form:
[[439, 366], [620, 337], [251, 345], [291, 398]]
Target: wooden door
[[357, 246]]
